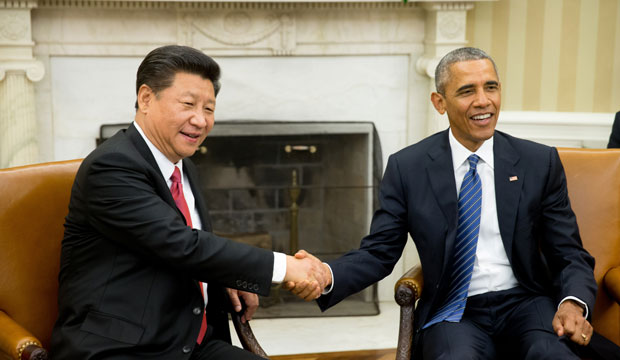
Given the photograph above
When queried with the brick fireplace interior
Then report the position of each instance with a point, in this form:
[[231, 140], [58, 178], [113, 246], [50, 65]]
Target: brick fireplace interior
[[247, 171]]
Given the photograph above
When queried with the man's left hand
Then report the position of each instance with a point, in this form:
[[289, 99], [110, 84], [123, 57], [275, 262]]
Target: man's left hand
[[250, 300], [569, 321]]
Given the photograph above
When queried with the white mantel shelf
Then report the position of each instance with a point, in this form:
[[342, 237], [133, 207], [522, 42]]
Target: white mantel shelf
[[7, 3], [282, 4]]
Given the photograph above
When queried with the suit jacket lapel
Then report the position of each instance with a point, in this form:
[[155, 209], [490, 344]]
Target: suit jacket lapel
[[142, 148], [160, 184], [441, 177], [192, 175], [509, 176]]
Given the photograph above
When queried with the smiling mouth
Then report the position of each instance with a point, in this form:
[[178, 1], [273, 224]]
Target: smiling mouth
[[481, 116], [193, 136]]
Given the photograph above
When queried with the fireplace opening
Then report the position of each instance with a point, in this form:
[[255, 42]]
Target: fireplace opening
[[294, 185]]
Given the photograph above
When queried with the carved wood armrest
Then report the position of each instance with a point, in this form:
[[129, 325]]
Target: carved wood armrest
[[246, 336], [17, 342], [612, 283], [407, 290]]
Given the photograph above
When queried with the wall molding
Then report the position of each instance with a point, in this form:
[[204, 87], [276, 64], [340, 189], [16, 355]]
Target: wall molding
[[18, 4], [191, 5], [561, 129]]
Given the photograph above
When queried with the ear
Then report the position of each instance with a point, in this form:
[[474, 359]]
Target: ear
[[438, 102], [145, 98]]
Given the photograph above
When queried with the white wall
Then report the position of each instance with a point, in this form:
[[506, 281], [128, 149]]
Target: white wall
[[88, 92]]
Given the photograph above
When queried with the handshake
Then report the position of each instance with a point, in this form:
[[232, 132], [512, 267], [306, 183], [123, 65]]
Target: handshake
[[306, 276]]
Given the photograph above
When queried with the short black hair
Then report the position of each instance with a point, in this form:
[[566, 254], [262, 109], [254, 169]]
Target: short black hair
[[442, 72], [159, 67]]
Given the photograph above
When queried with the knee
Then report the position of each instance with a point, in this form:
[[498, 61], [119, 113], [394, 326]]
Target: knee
[[550, 349], [453, 352]]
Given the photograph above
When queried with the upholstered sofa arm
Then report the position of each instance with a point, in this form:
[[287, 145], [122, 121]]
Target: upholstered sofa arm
[[407, 290], [17, 342], [612, 283], [246, 336]]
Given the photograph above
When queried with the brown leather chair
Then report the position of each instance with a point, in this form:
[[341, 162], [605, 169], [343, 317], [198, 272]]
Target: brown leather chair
[[34, 204], [593, 178]]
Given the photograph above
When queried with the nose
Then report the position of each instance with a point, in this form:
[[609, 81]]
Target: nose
[[481, 100], [199, 119]]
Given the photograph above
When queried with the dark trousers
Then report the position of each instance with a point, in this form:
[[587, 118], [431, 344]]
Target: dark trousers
[[509, 324], [215, 349]]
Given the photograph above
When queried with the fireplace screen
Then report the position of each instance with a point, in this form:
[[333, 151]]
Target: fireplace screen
[[289, 185]]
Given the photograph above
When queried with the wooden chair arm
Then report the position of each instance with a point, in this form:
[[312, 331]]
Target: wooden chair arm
[[246, 336], [612, 283], [407, 291], [17, 342]]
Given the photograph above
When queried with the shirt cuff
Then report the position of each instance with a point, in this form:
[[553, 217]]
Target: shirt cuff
[[331, 286], [279, 267], [585, 306]]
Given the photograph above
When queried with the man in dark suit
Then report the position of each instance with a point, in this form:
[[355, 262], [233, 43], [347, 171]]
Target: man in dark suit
[[137, 253], [504, 267], [614, 137]]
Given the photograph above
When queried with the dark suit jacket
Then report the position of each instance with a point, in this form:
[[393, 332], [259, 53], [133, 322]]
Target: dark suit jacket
[[614, 137], [418, 196], [130, 264]]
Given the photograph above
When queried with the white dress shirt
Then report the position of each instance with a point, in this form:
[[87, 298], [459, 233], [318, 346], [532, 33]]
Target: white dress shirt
[[492, 270], [166, 167]]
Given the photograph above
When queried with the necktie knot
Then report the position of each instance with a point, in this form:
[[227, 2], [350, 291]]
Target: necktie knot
[[176, 175], [473, 161]]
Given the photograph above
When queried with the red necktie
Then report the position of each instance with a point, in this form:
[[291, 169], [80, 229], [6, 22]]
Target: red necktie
[[177, 194]]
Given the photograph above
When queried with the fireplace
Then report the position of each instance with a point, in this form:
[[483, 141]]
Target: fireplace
[[294, 185]]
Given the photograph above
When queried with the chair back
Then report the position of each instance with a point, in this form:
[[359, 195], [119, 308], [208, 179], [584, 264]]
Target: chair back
[[593, 179], [34, 204]]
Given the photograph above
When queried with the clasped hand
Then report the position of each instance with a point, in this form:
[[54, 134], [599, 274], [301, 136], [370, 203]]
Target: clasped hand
[[306, 276], [569, 321]]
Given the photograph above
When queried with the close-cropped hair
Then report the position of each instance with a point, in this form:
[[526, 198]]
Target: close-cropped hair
[[159, 67], [442, 72]]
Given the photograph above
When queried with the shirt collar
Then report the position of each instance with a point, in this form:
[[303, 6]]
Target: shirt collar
[[460, 153], [166, 167]]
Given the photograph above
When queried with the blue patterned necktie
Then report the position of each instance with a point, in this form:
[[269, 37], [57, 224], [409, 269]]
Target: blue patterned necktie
[[470, 199]]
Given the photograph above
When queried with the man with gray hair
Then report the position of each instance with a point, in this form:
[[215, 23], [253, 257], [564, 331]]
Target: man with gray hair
[[504, 266]]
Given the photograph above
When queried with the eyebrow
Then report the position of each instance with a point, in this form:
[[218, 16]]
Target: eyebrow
[[470, 86], [195, 95]]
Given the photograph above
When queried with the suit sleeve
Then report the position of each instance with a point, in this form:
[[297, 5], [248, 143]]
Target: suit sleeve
[[380, 250], [571, 266], [122, 203], [614, 137]]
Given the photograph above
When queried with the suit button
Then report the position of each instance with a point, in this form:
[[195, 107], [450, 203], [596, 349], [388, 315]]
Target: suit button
[[244, 284], [238, 282], [197, 311], [187, 349], [255, 287]]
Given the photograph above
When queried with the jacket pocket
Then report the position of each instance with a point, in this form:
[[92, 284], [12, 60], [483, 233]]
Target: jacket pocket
[[112, 327]]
